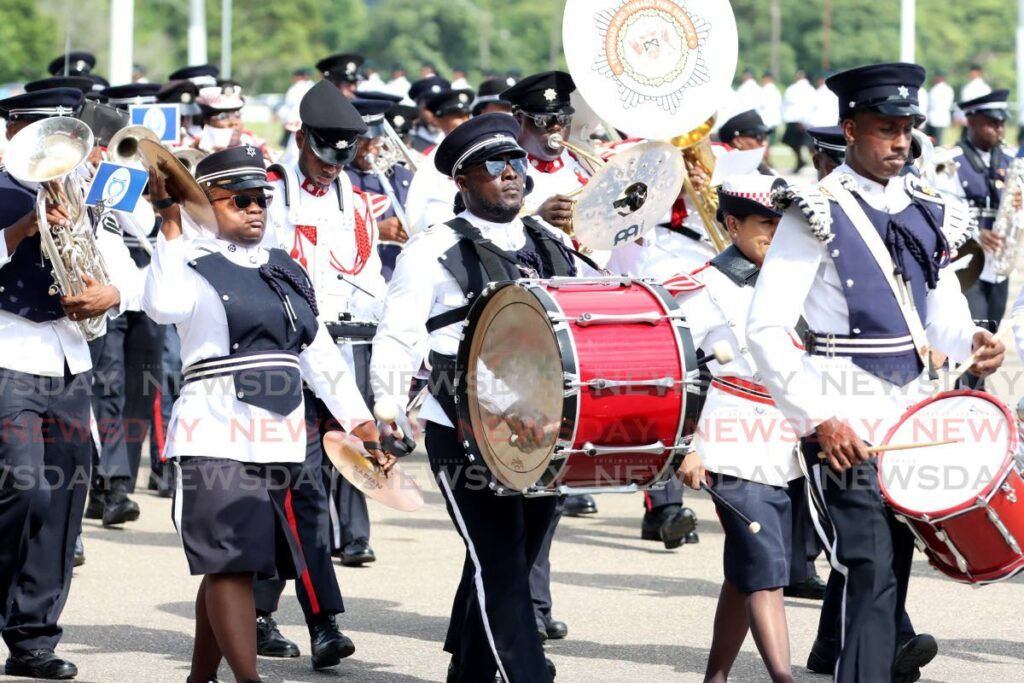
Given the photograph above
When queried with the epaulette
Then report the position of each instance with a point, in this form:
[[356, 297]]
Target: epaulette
[[813, 203], [958, 222], [682, 283]]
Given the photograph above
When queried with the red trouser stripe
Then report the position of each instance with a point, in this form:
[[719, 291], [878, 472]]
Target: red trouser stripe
[[158, 424], [314, 604]]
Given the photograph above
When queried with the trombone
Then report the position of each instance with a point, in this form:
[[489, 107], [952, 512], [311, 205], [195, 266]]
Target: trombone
[[698, 153]]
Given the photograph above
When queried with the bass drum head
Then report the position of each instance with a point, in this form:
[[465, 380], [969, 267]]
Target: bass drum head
[[514, 360], [937, 480]]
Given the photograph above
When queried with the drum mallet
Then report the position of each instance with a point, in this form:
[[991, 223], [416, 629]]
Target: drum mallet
[[721, 351], [755, 527], [398, 443]]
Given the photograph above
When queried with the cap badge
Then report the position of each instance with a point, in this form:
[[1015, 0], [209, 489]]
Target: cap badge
[[350, 67], [399, 121], [250, 150], [341, 144], [186, 97], [435, 89], [550, 95], [904, 91], [463, 98]]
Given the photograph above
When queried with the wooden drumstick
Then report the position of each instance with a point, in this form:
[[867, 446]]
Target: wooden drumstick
[[962, 369], [875, 450], [755, 527]]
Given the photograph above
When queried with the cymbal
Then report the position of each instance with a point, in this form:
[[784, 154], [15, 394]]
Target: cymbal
[[968, 274], [394, 489], [629, 195], [180, 183]]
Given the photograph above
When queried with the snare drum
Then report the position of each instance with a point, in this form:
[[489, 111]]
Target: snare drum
[[963, 501], [607, 365]]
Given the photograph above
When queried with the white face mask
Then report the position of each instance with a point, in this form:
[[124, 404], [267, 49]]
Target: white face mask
[[215, 138]]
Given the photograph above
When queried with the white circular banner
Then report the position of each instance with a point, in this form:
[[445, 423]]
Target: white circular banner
[[116, 187], [652, 68]]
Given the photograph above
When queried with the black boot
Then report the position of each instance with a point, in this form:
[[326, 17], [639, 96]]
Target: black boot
[[822, 659], [270, 642], [357, 553], [42, 664], [670, 524], [328, 645], [811, 588], [575, 506], [118, 508], [912, 653], [79, 552], [165, 486], [94, 508]]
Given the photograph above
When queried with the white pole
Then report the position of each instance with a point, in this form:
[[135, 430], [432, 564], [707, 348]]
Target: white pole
[[122, 29], [907, 29], [1020, 62], [197, 32], [225, 39]]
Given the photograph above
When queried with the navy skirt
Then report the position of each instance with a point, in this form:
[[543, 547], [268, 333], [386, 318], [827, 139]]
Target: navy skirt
[[232, 518], [755, 562]]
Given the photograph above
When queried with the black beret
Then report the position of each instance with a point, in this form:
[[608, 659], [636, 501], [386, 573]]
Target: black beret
[[889, 89], [132, 93], [427, 87], [332, 123], [42, 104], [993, 105], [478, 139], [235, 168], [78, 82], [743, 123], [183, 93], [450, 102], [77, 63], [341, 68], [543, 93], [98, 82]]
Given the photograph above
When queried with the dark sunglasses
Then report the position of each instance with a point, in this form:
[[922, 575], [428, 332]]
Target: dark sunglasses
[[549, 120], [756, 137], [244, 201], [495, 167]]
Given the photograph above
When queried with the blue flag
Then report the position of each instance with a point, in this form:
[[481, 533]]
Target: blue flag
[[162, 119], [116, 187]]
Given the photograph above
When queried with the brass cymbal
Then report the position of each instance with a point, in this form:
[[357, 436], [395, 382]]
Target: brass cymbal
[[628, 196], [394, 488], [180, 183], [970, 273]]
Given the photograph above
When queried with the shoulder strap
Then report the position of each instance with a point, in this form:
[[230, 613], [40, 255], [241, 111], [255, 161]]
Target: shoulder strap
[[494, 259], [290, 181], [867, 232], [552, 249]]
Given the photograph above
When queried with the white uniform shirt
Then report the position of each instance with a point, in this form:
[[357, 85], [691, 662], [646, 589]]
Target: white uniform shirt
[[420, 289], [568, 175], [44, 348], [735, 436], [799, 276], [826, 108], [748, 96], [798, 102], [207, 419], [771, 105], [431, 197], [940, 105], [337, 292]]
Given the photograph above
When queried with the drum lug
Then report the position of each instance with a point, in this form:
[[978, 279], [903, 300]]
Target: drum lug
[[649, 318], [918, 540], [961, 562], [593, 450], [993, 517], [571, 384], [1010, 494], [661, 384]]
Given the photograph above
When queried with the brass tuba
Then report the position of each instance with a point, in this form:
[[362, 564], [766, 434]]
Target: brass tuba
[[49, 152], [698, 153], [124, 145]]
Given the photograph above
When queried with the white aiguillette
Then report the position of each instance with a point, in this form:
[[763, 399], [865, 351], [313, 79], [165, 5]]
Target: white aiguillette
[[393, 488]]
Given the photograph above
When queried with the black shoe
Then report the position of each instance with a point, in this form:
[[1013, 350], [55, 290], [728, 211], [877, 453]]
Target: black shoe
[[165, 486], [912, 654], [556, 630], [40, 664], [94, 508], [822, 659], [575, 506], [79, 552], [812, 588], [551, 667], [670, 524], [327, 644], [692, 538], [357, 553], [118, 508], [270, 642], [153, 484]]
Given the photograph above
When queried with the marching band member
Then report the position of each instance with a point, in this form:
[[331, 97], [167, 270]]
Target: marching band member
[[221, 106], [45, 363], [431, 194], [328, 228], [250, 337], [746, 131], [865, 264], [438, 273], [342, 70], [489, 96], [753, 474], [426, 134]]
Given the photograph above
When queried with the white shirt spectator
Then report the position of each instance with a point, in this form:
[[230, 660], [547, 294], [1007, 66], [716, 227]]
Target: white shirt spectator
[[771, 105], [797, 102]]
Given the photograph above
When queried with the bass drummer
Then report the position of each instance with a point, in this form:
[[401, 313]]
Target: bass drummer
[[439, 274]]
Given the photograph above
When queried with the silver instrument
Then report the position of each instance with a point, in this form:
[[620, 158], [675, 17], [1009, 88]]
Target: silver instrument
[[49, 152], [377, 165], [393, 150], [190, 157], [124, 145], [1009, 221]]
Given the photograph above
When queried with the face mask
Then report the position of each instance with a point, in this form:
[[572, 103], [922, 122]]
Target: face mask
[[215, 138]]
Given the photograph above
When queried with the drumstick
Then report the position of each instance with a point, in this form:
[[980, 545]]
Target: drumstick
[[875, 450], [755, 527], [962, 369]]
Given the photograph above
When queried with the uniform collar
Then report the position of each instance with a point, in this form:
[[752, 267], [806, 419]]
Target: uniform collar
[[485, 225], [874, 192], [545, 166], [236, 253]]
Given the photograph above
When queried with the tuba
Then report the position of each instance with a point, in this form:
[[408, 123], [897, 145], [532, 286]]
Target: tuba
[[124, 145], [49, 152], [1009, 222]]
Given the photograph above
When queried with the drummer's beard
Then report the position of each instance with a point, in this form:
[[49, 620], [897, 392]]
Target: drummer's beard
[[501, 211]]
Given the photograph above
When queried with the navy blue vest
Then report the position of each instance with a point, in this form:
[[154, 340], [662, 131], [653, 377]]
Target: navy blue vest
[[912, 236], [258, 323], [26, 280], [983, 185]]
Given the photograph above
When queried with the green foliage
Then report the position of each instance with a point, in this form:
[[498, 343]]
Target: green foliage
[[272, 37]]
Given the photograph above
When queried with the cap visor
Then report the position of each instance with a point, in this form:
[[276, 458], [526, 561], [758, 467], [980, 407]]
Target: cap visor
[[898, 109], [495, 151], [246, 184], [330, 154], [996, 114]]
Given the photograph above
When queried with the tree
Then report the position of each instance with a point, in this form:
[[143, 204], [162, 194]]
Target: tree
[[26, 34]]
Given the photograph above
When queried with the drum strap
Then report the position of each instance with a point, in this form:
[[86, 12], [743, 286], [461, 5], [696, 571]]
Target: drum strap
[[441, 384]]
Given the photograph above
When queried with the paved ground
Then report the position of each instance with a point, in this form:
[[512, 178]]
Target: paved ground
[[636, 612]]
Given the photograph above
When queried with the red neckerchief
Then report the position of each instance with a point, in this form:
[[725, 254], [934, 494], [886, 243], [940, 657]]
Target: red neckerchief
[[546, 166]]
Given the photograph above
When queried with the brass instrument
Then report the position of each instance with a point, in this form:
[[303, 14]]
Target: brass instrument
[[181, 186], [49, 152], [124, 145], [393, 150], [189, 157], [697, 153], [1009, 221], [380, 166]]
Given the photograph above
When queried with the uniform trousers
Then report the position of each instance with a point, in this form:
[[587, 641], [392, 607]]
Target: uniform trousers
[[170, 387], [987, 301], [540, 573], [874, 552], [128, 375], [44, 476], [349, 517], [493, 627], [306, 511]]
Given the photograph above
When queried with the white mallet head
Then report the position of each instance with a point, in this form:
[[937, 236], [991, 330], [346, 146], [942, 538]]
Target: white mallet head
[[722, 351], [755, 527], [386, 411]]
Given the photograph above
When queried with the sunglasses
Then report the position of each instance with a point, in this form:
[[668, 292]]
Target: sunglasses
[[495, 167], [226, 116], [244, 201], [548, 120], [756, 137]]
